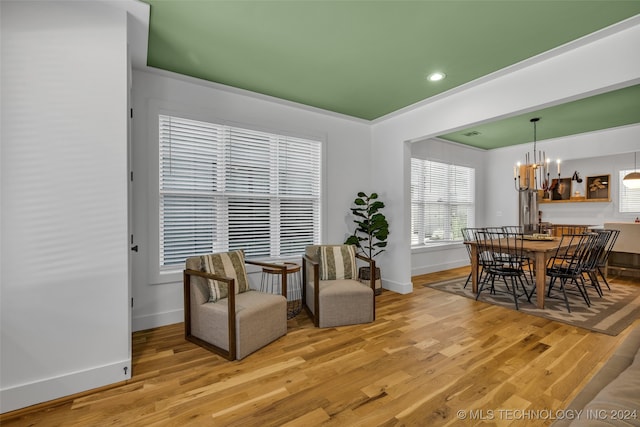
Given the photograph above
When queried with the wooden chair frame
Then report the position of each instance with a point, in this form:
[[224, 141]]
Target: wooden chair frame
[[316, 288], [231, 306]]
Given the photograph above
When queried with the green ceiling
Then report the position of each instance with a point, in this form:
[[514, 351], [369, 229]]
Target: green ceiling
[[612, 109], [363, 58]]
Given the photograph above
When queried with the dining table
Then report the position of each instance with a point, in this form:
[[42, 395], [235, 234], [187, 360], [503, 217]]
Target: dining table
[[537, 249]]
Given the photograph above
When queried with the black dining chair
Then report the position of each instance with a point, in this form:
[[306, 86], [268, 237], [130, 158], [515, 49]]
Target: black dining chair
[[528, 263], [593, 257], [512, 229], [507, 263], [602, 262], [569, 263], [469, 234]]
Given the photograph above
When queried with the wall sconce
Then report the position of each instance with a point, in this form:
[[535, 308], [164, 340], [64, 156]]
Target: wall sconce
[[576, 177]]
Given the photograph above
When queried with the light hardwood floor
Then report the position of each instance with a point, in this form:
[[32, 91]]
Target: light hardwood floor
[[429, 359]]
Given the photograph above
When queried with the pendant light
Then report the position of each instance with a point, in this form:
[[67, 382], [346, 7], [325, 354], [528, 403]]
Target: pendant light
[[632, 180]]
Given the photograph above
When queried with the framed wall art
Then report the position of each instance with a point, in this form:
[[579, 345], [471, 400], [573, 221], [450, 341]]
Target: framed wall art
[[561, 189], [598, 188]]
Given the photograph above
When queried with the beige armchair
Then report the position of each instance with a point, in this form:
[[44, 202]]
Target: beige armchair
[[331, 292], [223, 314]]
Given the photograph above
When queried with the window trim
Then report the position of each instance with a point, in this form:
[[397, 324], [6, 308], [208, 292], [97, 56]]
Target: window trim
[[164, 275], [437, 247]]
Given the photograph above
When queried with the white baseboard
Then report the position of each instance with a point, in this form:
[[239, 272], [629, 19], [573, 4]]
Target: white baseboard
[[401, 288], [24, 395], [141, 323]]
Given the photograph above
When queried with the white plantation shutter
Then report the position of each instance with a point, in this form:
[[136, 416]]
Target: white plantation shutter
[[442, 201], [629, 198], [224, 188]]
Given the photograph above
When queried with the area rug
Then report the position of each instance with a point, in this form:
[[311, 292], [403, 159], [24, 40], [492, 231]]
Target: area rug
[[609, 314]]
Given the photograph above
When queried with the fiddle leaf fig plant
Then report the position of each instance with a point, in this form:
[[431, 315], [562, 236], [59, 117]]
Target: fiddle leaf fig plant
[[372, 228]]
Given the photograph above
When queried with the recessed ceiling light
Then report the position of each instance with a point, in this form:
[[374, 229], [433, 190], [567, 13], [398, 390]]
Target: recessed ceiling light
[[434, 77]]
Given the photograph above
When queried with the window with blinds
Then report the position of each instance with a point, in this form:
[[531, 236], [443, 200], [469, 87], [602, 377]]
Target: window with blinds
[[224, 188], [629, 197], [442, 201]]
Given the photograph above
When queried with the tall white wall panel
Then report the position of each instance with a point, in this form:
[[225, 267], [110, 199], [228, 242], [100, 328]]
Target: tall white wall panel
[[64, 247]]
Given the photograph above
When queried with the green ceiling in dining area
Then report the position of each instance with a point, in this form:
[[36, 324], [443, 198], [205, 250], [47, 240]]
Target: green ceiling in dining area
[[367, 59], [611, 109]]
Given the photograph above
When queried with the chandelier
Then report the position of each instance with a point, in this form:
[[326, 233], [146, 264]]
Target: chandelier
[[534, 173]]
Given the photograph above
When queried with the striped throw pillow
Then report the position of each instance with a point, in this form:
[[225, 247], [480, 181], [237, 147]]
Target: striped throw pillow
[[338, 262], [227, 264]]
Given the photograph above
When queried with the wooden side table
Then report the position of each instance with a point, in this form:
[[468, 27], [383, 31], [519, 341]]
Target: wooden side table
[[271, 282]]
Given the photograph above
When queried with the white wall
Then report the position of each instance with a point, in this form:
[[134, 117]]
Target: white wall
[[593, 65], [347, 170], [64, 249]]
